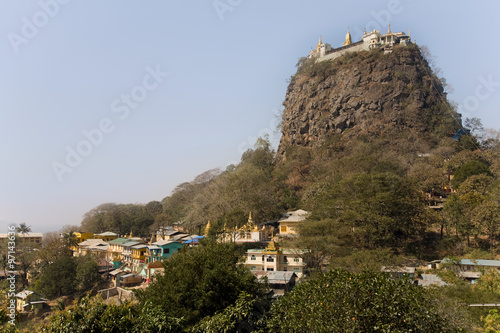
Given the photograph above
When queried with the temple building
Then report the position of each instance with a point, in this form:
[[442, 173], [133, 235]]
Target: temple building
[[369, 41], [274, 258], [248, 233]]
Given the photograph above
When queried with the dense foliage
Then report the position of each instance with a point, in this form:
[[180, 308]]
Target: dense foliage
[[200, 281], [67, 275], [369, 302], [93, 315]]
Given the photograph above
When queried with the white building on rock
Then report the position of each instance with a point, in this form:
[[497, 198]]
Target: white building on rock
[[370, 41]]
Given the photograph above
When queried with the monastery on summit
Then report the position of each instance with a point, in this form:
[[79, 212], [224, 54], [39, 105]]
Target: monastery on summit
[[370, 40]]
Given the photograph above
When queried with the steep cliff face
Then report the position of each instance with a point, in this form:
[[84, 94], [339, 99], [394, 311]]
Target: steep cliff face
[[366, 93]]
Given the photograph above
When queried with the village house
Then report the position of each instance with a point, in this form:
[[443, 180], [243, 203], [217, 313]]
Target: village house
[[138, 254], [106, 236], [288, 224], [30, 237], [162, 249], [92, 246], [468, 269], [115, 250], [274, 258], [155, 267], [126, 255], [28, 300]]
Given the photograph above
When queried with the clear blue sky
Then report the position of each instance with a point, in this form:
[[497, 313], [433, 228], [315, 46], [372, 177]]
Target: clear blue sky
[[70, 68]]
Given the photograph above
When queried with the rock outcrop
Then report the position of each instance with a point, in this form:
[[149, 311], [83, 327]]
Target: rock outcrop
[[367, 93]]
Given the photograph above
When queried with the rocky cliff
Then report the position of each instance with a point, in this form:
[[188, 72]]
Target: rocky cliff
[[366, 93]]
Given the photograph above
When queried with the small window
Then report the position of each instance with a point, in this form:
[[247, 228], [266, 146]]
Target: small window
[[166, 251], [285, 259], [252, 257], [269, 269], [296, 260], [253, 268], [270, 259], [283, 228], [296, 270]]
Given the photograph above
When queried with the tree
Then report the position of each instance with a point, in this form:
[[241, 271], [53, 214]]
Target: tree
[[199, 281], [340, 301], [486, 217], [379, 209], [245, 315], [471, 168], [58, 279], [93, 315], [23, 228], [87, 274], [70, 239]]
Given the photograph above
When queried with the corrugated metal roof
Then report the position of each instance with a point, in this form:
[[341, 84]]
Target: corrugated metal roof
[[107, 233], [276, 277], [475, 262], [130, 243], [295, 216], [119, 241], [139, 246], [25, 293], [25, 235], [164, 242]]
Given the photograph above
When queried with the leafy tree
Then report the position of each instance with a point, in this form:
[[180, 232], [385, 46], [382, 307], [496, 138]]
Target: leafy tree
[[491, 322], [199, 281], [58, 279], [368, 302], [471, 168], [23, 228], [93, 315], [87, 274], [245, 315], [67, 275], [379, 209], [70, 239]]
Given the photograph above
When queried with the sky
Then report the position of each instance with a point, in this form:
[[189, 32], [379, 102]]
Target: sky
[[121, 100]]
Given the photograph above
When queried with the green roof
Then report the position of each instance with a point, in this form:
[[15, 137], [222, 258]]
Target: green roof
[[119, 241]]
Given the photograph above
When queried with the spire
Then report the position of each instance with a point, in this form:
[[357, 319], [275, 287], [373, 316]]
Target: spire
[[409, 33], [250, 218], [207, 228], [348, 38], [319, 44], [364, 31], [389, 31]]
